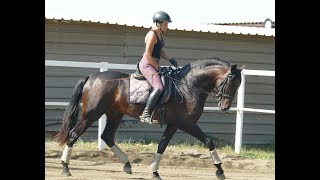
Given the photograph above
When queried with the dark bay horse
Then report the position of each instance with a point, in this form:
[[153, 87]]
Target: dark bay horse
[[107, 93]]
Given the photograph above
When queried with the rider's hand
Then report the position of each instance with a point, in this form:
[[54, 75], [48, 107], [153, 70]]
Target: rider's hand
[[163, 70], [174, 62]]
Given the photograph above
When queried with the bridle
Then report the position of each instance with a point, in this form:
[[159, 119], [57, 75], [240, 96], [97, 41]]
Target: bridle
[[221, 93]]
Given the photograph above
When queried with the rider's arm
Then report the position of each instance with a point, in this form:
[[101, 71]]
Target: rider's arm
[[164, 55]]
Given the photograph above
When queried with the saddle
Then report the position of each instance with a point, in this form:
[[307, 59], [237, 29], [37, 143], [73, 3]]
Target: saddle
[[140, 87]]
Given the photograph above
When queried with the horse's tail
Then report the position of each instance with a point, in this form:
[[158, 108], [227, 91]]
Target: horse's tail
[[70, 116]]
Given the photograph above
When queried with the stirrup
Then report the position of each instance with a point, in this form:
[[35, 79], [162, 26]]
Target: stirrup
[[145, 117]]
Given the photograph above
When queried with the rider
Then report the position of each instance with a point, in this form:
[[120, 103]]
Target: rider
[[149, 64]]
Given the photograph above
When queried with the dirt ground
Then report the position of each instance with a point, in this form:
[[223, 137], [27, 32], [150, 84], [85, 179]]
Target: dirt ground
[[175, 164]]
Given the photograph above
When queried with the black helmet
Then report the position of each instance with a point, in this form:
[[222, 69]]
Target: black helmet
[[161, 16]]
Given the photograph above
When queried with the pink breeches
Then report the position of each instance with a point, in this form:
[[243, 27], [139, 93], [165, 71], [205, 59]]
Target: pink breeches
[[150, 73]]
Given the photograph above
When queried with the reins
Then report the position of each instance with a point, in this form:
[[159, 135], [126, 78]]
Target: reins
[[219, 94], [192, 87]]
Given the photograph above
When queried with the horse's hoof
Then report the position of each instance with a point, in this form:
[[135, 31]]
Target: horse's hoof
[[220, 176], [127, 170], [65, 173], [156, 177]]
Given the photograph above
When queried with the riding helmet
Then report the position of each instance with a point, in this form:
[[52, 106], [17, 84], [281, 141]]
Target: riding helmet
[[161, 16]]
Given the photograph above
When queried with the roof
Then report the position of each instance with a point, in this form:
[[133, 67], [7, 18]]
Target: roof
[[248, 24], [211, 28]]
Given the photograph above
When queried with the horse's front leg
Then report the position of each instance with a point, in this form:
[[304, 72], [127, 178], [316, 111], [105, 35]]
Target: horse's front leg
[[196, 132], [114, 120], [166, 137]]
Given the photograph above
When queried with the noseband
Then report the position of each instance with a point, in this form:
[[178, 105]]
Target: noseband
[[222, 88]]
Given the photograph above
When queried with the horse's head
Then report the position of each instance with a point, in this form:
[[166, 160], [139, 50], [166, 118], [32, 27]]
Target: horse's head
[[228, 87]]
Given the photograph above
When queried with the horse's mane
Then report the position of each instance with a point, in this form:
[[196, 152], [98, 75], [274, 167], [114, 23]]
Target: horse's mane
[[202, 63]]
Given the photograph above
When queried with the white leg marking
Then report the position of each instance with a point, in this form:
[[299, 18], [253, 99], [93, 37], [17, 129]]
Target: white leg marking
[[120, 154], [215, 157], [66, 155], [154, 166]]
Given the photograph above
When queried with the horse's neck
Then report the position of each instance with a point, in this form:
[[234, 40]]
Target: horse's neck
[[206, 79], [200, 83]]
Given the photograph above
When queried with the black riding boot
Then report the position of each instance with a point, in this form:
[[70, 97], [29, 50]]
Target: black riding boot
[[152, 100]]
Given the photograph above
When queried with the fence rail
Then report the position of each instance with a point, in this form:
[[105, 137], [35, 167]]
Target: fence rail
[[105, 66]]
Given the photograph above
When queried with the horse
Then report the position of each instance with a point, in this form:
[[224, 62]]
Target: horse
[[108, 93]]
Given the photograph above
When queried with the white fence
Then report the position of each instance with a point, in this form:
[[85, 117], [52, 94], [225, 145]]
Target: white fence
[[105, 66]]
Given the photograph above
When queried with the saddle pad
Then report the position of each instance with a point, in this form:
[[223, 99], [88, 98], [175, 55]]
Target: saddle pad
[[139, 91]]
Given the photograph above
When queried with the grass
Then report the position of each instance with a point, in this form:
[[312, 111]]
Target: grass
[[261, 152]]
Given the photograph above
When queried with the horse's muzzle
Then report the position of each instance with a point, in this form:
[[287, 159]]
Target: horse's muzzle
[[224, 106]]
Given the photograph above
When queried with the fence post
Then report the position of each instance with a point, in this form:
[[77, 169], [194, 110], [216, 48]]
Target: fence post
[[103, 118], [239, 121]]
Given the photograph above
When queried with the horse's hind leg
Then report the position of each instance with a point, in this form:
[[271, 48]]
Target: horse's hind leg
[[74, 134], [196, 132], [114, 120]]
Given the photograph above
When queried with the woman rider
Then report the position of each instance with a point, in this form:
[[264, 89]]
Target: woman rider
[[149, 64]]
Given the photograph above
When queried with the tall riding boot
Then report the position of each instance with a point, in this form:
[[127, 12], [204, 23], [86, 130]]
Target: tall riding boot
[[152, 100]]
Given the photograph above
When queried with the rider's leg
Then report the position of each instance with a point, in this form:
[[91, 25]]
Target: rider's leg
[[152, 76], [153, 98]]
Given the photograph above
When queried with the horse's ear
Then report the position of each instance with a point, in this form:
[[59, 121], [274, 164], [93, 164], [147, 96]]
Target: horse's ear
[[233, 68], [242, 67]]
